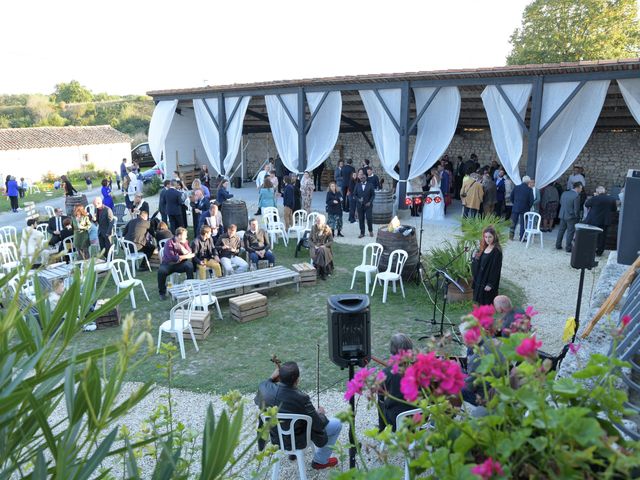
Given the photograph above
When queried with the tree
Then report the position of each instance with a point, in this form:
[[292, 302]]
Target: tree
[[555, 31], [72, 92]]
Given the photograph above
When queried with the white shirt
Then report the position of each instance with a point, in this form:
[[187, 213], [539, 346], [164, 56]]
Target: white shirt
[[575, 178], [260, 178]]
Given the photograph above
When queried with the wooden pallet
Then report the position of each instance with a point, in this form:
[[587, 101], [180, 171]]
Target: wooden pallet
[[109, 319], [200, 323], [308, 274], [248, 307]]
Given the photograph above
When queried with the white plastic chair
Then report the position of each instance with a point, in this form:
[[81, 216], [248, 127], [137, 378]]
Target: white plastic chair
[[270, 211], [123, 279], [311, 220], [42, 227], [67, 246], [393, 273], [132, 255], [201, 296], [9, 234], [299, 224], [289, 433], [9, 256], [91, 210], [179, 322], [106, 266], [274, 227], [371, 255], [49, 211], [400, 418], [532, 223]]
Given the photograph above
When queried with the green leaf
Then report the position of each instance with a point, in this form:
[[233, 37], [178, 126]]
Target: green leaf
[[538, 443], [88, 469], [566, 386]]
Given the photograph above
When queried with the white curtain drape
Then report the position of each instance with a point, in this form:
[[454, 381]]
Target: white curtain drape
[[322, 135], [385, 135], [630, 89], [506, 131], [209, 132], [325, 128], [435, 128], [560, 144], [158, 130]]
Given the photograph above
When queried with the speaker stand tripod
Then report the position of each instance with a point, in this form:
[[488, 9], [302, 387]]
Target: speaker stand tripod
[[446, 281]]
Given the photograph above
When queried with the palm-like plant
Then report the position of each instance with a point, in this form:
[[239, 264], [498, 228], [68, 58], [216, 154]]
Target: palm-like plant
[[453, 258], [472, 228]]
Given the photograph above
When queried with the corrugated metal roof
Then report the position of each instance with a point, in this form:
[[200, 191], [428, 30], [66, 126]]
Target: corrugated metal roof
[[49, 137]]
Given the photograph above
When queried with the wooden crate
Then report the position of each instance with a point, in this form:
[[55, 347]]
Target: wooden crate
[[308, 274], [248, 307], [110, 319], [200, 323]]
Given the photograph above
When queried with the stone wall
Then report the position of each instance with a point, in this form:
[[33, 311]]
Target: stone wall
[[606, 157]]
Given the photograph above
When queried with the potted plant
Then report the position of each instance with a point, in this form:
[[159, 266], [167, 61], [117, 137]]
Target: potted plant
[[452, 258], [472, 228]]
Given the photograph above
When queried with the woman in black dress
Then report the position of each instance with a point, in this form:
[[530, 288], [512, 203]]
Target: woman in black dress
[[486, 267], [69, 191]]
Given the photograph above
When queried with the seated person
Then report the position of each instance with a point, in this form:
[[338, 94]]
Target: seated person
[[213, 218], [31, 242], [281, 390], [54, 226], [137, 231], [228, 246], [176, 259], [67, 231], [256, 243], [390, 408], [139, 205], [506, 312], [163, 232], [320, 242], [206, 255]]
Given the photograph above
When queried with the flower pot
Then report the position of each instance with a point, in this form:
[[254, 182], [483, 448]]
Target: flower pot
[[455, 295]]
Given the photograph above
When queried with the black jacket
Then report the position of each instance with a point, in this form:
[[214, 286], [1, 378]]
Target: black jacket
[[143, 207], [254, 242], [334, 208], [487, 270], [173, 201], [347, 170], [233, 243], [51, 224], [104, 218], [203, 249], [136, 231], [601, 207], [365, 196], [162, 201], [291, 400]]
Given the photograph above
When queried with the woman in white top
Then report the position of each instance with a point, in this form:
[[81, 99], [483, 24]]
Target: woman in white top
[[434, 202]]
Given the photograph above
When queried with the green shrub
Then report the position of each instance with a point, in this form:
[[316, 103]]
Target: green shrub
[[453, 258], [152, 187], [472, 228]]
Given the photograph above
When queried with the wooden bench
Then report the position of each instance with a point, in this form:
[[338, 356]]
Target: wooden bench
[[248, 307], [241, 283], [308, 274]]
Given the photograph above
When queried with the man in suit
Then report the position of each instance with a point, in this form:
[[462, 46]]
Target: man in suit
[[137, 231], [522, 200], [104, 218], [199, 206], [162, 205], [173, 202], [347, 170], [55, 226], [569, 215], [363, 196], [281, 390], [601, 206]]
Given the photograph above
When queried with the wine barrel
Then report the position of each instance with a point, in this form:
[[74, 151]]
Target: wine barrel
[[395, 240], [72, 201], [383, 207], [235, 211]]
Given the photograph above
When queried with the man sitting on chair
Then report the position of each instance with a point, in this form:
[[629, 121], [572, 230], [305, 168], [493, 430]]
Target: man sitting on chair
[[206, 255], [228, 245], [281, 390], [256, 243], [54, 226], [139, 205], [137, 231], [175, 259]]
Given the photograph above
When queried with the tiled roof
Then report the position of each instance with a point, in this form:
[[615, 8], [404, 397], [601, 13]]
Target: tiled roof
[[51, 137]]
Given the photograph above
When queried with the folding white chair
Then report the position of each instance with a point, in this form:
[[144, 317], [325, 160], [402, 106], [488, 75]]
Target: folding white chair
[[393, 273], [274, 227], [288, 433], [179, 322], [132, 255], [42, 227], [106, 266], [9, 256], [201, 296], [123, 279], [67, 246], [299, 224], [49, 211], [532, 224], [371, 255], [9, 234]]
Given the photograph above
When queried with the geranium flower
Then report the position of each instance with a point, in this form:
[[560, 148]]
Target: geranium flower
[[401, 359], [357, 384], [484, 314], [442, 377], [530, 312], [528, 348], [488, 469], [626, 320], [574, 347], [472, 336]]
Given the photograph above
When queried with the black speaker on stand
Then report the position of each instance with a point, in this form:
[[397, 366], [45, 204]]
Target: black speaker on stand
[[583, 257], [349, 323], [629, 223]]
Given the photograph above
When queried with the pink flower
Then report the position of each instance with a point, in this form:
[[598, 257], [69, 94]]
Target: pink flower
[[530, 312], [529, 347], [484, 315], [488, 469], [363, 378], [442, 377], [472, 336], [626, 320], [574, 347], [400, 360]]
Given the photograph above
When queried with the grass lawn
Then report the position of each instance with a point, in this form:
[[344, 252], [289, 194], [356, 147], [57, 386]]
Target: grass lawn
[[43, 196], [236, 356]]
